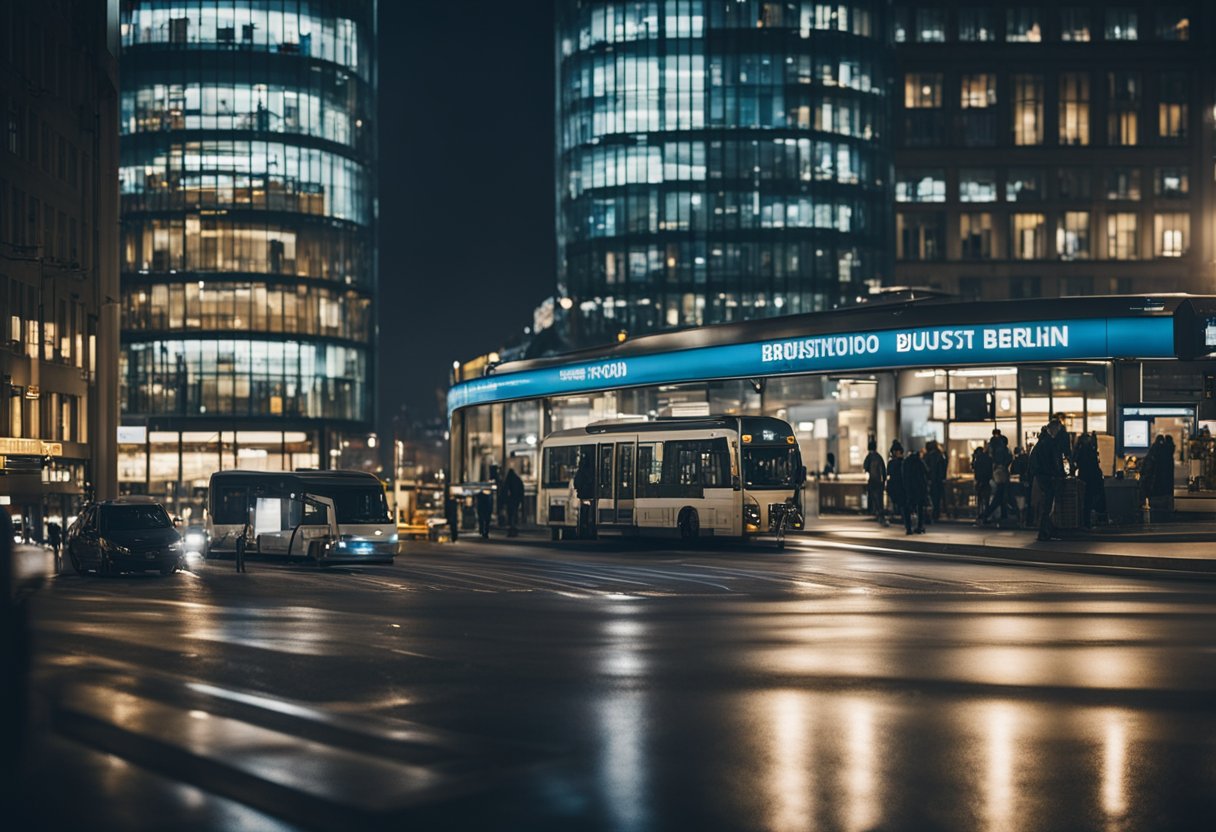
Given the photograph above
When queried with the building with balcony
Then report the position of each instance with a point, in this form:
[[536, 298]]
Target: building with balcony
[[719, 162], [58, 259], [1050, 149], [248, 244]]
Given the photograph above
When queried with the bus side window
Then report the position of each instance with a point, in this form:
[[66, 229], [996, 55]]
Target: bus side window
[[650, 469], [231, 505], [715, 464], [682, 469]]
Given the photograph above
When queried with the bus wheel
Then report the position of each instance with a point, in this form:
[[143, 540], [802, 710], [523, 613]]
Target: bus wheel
[[690, 525]]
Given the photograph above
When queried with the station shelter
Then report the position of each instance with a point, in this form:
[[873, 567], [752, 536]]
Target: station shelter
[[1123, 368]]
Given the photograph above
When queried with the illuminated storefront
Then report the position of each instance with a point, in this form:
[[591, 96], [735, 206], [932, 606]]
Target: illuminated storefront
[[913, 371]]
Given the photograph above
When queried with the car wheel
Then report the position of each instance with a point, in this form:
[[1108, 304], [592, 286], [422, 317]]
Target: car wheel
[[168, 569], [76, 565], [690, 525]]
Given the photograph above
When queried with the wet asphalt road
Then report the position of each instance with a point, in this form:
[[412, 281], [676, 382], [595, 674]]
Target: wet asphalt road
[[610, 686]]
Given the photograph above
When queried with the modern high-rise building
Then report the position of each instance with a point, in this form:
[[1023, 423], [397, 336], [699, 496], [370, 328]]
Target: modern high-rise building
[[248, 245], [1054, 149], [58, 258], [719, 161]]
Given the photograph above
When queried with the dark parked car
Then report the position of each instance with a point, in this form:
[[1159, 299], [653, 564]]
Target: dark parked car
[[124, 536]]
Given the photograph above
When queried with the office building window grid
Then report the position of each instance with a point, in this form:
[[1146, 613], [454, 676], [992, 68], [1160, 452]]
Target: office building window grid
[[720, 161], [247, 191]]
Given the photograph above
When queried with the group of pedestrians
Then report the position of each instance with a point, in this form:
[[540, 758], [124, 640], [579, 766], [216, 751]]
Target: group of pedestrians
[[1009, 484], [511, 498], [909, 482]]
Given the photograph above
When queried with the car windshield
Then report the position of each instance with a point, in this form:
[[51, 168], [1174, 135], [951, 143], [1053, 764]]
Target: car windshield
[[769, 467], [134, 518]]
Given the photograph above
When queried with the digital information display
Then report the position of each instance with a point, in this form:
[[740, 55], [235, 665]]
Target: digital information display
[[1003, 343], [1135, 433]]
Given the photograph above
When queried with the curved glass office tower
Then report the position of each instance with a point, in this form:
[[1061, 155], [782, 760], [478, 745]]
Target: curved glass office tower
[[248, 236], [719, 161]]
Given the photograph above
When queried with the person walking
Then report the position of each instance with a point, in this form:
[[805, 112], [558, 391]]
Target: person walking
[[1047, 469], [998, 448], [241, 543], [935, 465], [876, 478], [584, 489], [981, 468], [1020, 480], [916, 492], [485, 511], [1089, 471], [895, 478], [451, 513], [54, 538], [513, 488]]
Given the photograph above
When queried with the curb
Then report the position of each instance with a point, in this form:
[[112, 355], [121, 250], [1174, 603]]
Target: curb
[[1193, 567]]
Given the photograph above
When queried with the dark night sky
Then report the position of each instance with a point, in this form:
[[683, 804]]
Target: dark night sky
[[466, 186]]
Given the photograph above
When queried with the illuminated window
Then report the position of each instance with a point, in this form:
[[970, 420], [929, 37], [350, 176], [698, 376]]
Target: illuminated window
[[1072, 236], [1074, 108], [1074, 24], [919, 236], [1172, 106], [930, 25], [922, 90], [1024, 185], [975, 236], [1121, 23], [1123, 183], [1171, 234], [1022, 25], [1123, 108], [977, 185], [978, 90], [1027, 109], [920, 186], [975, 25], [1172, 182], [1029, 236], [1173, 23], [1122, 236]]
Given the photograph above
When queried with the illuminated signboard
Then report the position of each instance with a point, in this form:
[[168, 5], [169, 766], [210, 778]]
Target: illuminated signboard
[[1005, 343]]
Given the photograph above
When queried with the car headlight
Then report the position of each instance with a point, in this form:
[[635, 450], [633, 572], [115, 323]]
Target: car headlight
[[175, 546], [195, 539]]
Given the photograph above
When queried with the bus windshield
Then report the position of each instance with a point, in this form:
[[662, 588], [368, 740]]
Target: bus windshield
[[769, 467], [359, 505]]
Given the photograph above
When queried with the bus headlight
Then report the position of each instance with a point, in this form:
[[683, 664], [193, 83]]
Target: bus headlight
[[751, 516]]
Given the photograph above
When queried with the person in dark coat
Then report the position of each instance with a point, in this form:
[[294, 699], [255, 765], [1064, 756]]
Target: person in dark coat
[[584, 489], [485, 512], [829, 469], [451, 513], [916, 492], [1089, 471], [1063, 441], [876, 477], [54, 538], [1047, 468], [1019, 474], [935, 464], [513, 493], [895, 478], [981, 467]]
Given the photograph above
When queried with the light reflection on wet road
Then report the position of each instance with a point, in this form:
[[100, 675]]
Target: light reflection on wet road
[[638, 688]]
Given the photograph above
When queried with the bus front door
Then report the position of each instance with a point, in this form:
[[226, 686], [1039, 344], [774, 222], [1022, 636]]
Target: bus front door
[[604, 490], [624, 483]]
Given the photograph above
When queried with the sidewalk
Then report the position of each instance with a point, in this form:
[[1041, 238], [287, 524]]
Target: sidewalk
[[1186, 548]]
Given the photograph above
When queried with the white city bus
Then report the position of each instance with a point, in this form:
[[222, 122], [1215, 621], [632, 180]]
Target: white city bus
[[287, 511], [722, 476]]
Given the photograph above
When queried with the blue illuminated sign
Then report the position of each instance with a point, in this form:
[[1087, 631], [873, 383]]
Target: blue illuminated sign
[[1005, 343]]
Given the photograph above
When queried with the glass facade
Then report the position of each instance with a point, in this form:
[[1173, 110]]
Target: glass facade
[[719, 161], [248, 235]]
